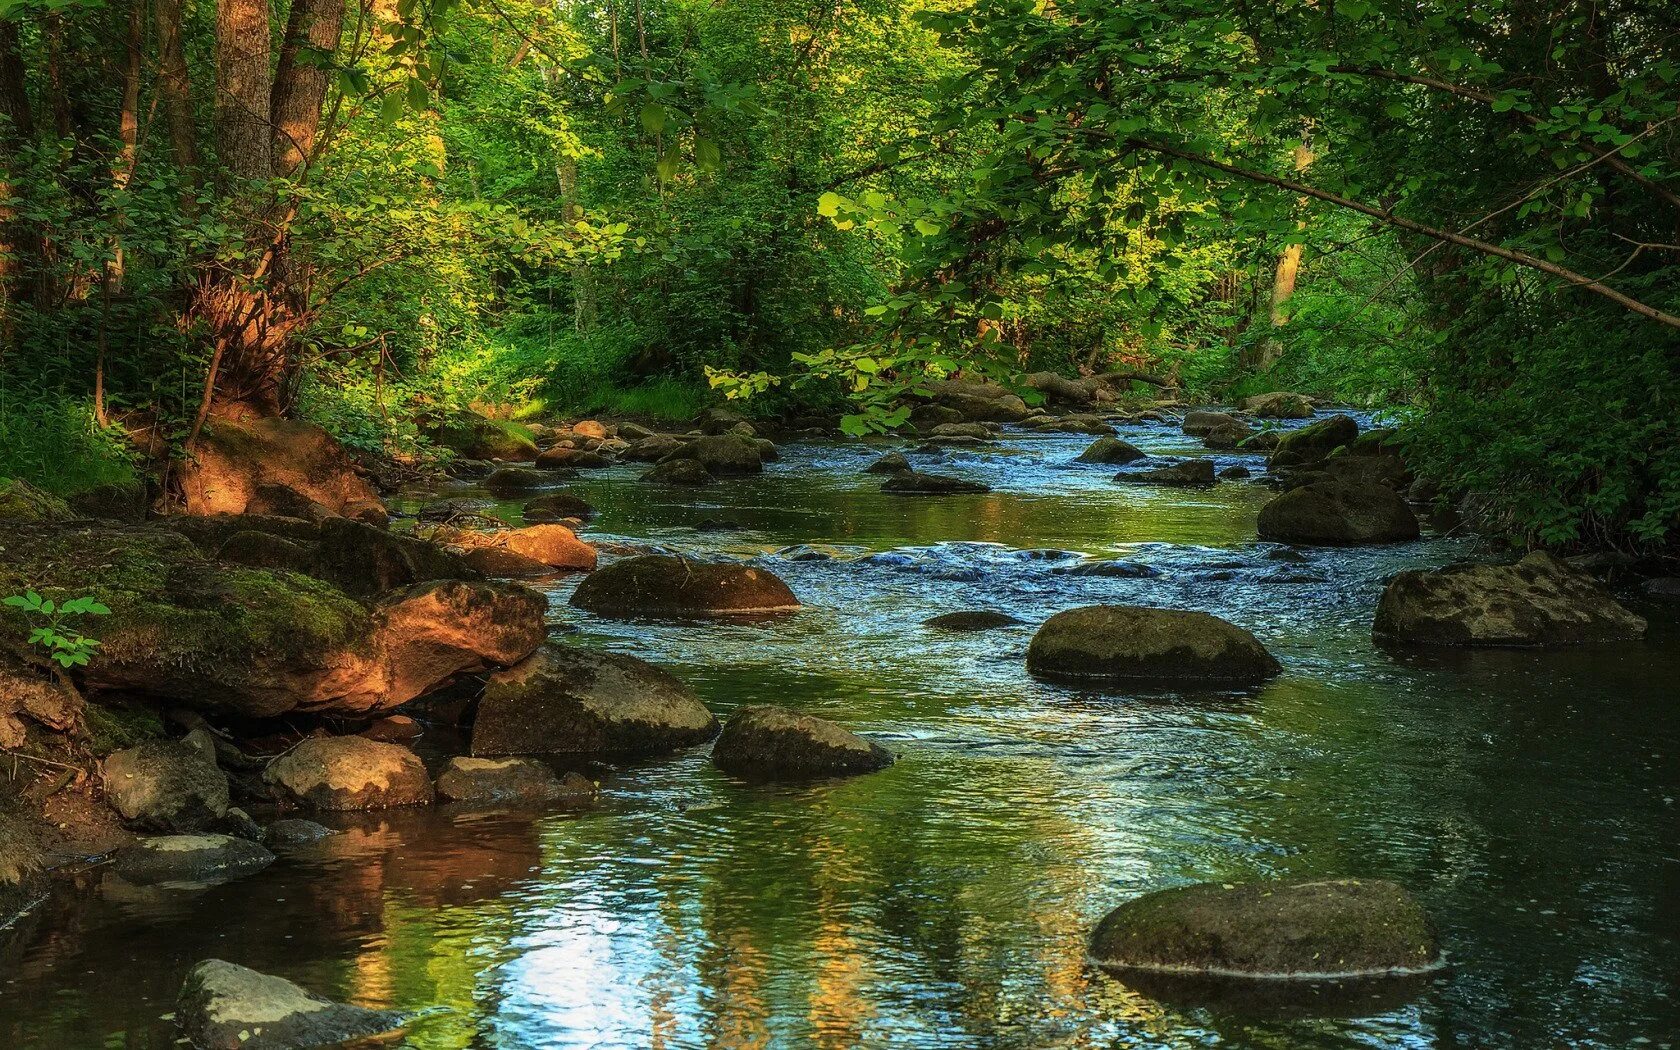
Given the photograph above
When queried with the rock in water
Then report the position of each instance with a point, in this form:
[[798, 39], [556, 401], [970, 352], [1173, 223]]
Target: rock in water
[[556, 506], [1337, 513], [167, 785], [228, 1007], [891, 463], [724, 454], [1227, 435], [293, 831], [350, 772], [564, 456], [520, 781], [1183, 473], [1314, 441], [515, 481], [915, 483], [975, 620], [1280, 405], [679, 472], [1539, 601], [662, 585], [652, 449], [1309, 929], [1120, 642], [196, 859], [574, 701], [1200, 421], [1110, 450], [766, 742]]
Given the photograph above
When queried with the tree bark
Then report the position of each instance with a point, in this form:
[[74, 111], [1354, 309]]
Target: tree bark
[[243, 88], [175, 91], [300, 87]]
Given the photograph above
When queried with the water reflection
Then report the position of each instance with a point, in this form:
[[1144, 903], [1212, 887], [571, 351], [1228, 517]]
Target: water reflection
[[1529, 798]]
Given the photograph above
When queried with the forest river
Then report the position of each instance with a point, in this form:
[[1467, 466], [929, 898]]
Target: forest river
[[1528, 798]]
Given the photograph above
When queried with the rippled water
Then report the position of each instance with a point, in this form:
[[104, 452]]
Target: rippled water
[[1529, 798]]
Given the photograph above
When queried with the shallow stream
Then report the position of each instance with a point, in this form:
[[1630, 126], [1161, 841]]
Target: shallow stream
[[1528, 798]]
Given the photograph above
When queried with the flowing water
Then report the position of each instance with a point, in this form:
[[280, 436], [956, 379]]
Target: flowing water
[[1528, 798]]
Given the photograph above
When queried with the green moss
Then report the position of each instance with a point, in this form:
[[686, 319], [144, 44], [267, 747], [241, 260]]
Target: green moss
[[112, 727], [21, 501]]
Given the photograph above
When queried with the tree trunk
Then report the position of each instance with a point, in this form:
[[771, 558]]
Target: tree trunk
[[1283, 279], [175, 90], [17, 126], [300, 89], [243, 88]]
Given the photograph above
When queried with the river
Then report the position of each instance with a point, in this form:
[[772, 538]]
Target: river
[[1528, 798]]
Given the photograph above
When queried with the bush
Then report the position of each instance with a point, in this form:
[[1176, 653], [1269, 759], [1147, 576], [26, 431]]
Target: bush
[[52, 441]]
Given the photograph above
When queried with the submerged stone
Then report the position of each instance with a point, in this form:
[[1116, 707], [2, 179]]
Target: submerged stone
[[227, 1007], [1301, 929], [199, 859], [915, 483], [1184, 472], [1119, 642], [567, 700], [663, 585], [763, 741], [679, 472], [1539, 601], [975, 620], [522, 781]]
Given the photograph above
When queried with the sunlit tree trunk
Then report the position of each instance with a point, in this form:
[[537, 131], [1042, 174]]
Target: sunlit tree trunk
[[1284, 278], [300, 87]]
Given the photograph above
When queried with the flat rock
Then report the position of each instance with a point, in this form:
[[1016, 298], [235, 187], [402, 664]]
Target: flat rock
[[663, 585], [973, 620], [513, 481], [556, 506], [567, 700], [521, 781], [1119, 642], [227, 1007], [1338, 513], [294, 831], [1308, 929], [1539, 601], [201, 858], [1183, 473], [350, 773], [763, 741], [916, 483]]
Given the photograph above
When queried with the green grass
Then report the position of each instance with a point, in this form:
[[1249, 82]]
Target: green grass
[[667, 399]]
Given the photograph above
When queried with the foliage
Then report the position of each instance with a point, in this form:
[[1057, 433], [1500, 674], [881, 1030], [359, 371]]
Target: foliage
[[63, 643]]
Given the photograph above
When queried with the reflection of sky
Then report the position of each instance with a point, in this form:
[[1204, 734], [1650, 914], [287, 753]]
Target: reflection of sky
[[944, 903]]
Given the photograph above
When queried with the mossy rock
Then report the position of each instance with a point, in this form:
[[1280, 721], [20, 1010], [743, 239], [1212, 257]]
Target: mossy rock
[[1539, 601], [227, 1007], [1111, 450], [766, 742], [1119, 642], [1314, 441], [662, 585], [21, 501], [477, 437], [1302, 929], [1336, 513]]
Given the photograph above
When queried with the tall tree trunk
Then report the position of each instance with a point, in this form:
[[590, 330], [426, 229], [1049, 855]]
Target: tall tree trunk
[[243, 88], [300, 88], [17, 127], [175, 90], [1283, 279]]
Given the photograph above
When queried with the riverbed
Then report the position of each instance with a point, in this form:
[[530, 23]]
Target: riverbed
[[1528, 798]]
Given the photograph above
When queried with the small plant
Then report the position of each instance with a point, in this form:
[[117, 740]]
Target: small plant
[[64, 644]]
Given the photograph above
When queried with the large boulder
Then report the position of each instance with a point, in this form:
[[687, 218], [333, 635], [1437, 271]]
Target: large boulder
[[112, 500], [228, 1007], [1060, 390], [1184, 473], [723, 454], [199, 859], [978, 402], [551, 545], [1078, 423], [1336, 513], [1313, 929], [1119, 642], [1314, 442], [477, 437], [263, 642], [1110, 449], [767, 742], [1279, 405], [1228, 435], [664, 585], [917, 483], [652, 449], [512, 781], [977, 431], [567, 700], [1539, 601], [1198, 422], [236, 457], [167, 785], [350, 773], [361, 558], [579, 458]]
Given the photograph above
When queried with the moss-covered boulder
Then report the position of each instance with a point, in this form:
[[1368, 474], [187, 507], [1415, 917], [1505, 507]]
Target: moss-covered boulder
[[1337, 513], [350, 773], [652, 449], [766, 742], [513, 781], [1134, 643], [21, 501], [1313, 929], [240, 461], [567, 700], [1112, 450], [477, 437], [723, 454], [228, 1007], [1539, 601], [663, 585], [1314, 442], [361, 558], [1198, 422], [261, 642]]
